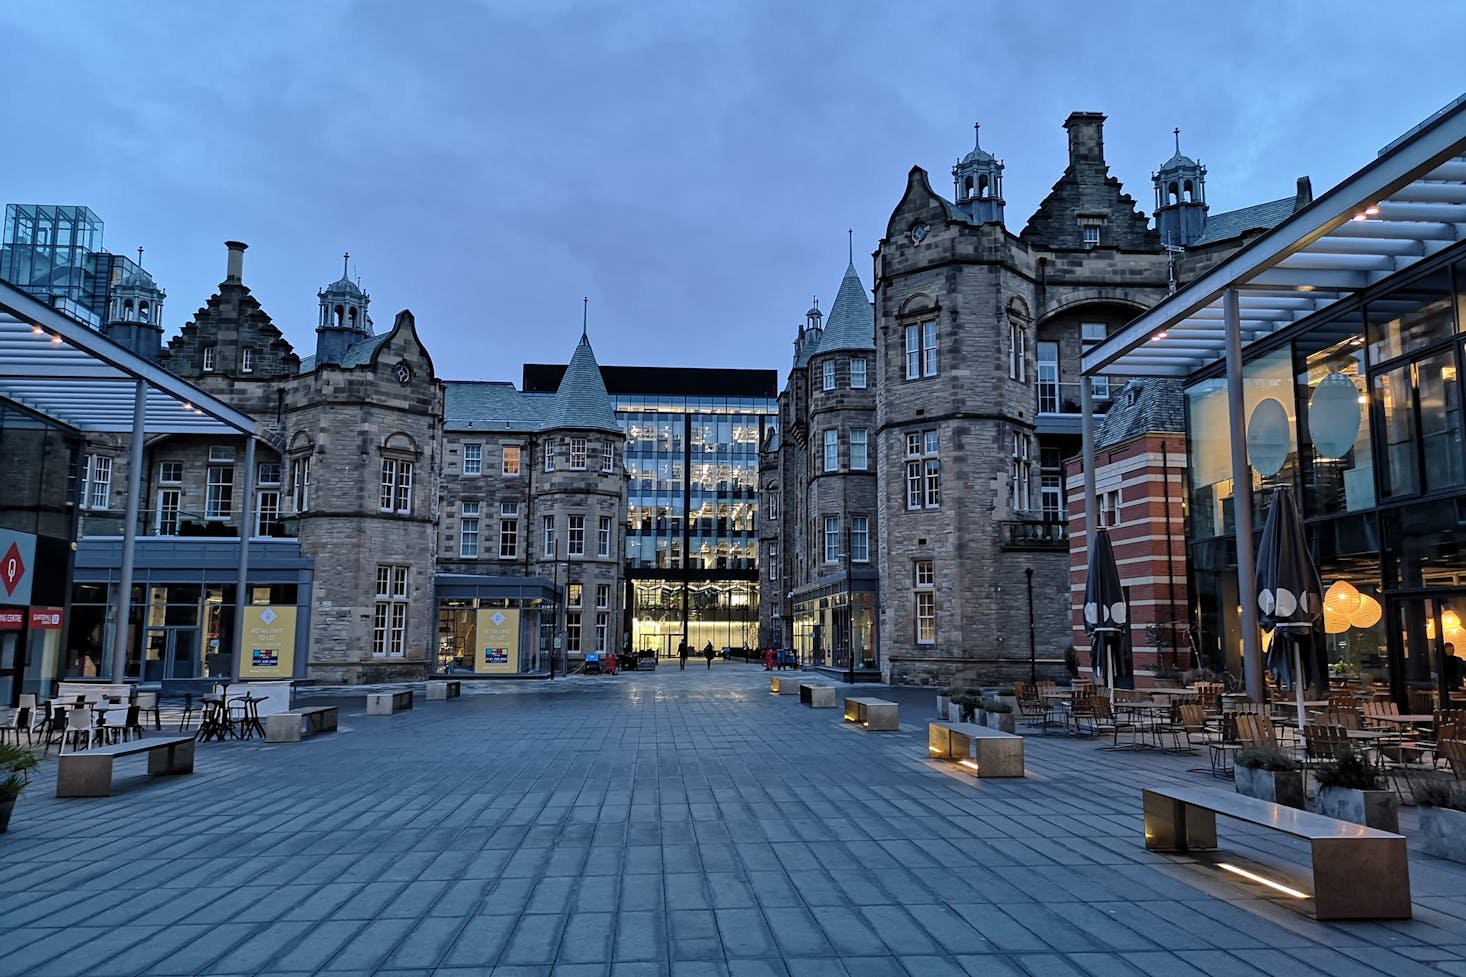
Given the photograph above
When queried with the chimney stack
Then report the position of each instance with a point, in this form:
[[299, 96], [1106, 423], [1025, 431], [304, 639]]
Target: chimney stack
[[1086, 137], [235, 272]]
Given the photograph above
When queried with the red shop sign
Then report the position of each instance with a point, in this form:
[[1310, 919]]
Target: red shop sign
[[11, 619], [45, 618]]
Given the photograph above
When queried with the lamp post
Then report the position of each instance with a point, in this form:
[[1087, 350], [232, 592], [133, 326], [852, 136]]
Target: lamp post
[[1032, 641]]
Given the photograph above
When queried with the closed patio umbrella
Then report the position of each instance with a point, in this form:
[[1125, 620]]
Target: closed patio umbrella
[[1104, 609], [1289, 597]]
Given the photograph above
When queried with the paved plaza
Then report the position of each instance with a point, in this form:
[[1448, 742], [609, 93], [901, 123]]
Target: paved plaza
[[667, 824]]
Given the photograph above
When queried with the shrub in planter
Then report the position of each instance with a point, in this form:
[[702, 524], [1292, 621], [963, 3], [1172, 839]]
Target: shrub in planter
[[1351, 788], [15, 767], [968, 701], [1270, 775], [1442, 808], [998, 714]]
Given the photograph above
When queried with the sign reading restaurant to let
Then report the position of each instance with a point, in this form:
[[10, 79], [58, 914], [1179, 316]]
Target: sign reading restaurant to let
[[17, 561], [45, 618]]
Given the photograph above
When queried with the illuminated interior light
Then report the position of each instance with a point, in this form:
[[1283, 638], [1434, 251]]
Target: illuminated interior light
[[1253, 876]]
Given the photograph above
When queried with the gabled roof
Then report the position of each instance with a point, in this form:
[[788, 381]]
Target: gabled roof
[[1233, 223], [1142, 407], [581, 403], [852, 321], [480, 405]]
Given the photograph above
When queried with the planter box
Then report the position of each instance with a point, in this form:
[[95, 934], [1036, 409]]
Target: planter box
[[944, 709], [1375, 808], [1443, 833], [1001, 721], [1278, 786]]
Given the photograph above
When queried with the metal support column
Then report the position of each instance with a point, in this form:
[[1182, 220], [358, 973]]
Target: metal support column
[[241, 591], [1086, 405], [1242, 498], [120, 633]]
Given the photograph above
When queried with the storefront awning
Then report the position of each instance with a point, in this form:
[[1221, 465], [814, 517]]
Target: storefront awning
[[54, 366], [1407, 204]]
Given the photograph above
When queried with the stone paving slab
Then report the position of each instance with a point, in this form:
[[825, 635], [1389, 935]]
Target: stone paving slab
[[663, 824]]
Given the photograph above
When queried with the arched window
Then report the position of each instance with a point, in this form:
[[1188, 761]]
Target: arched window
[[967, 187], [351, 316], [128, 312], [1173, 193], [982, 187], [340, 315], [1186, 192], [143, 312]]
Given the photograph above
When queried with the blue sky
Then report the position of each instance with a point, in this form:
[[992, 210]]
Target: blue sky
[[691, 167]]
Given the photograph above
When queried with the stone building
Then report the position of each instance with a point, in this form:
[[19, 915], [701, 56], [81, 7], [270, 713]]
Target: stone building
[[978, 333]]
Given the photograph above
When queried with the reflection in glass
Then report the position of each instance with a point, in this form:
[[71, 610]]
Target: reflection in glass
[[1411, 317]]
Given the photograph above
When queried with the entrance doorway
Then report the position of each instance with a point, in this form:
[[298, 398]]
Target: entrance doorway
[[11, 666], [1427, 642], [171, 653]]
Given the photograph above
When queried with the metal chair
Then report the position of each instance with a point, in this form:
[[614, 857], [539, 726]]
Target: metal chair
[[147, 703]]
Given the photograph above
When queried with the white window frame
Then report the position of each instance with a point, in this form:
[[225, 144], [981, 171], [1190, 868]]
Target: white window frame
[[913, 352], [575, 535], [603, 628], [170, 473], [508, 530], [1017, 352], [857, 373], [547, 527], [603, 536], [832, 450], [829, 375], [572, 631], [473, 458], [603, 596], [550, 455], [608, 455], [923, 470], [389, 613], [924, 601], [1109, 507], [247, 360], [210, 358], [832, 539], [511, 459], [96, 489], [300, 482], [929, 348], [1050, 400], [1090, 234], [267, 511], [468, 530], [578, 451], [1020, 469], [396, 486], [860, 539], [168, 512], [219, 493], [859, 449]]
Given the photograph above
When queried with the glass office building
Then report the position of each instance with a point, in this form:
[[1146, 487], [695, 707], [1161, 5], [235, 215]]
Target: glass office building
[[692, 442], [55, 254]]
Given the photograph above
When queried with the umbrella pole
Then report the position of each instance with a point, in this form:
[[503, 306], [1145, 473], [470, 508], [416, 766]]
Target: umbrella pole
[[1298, 682]]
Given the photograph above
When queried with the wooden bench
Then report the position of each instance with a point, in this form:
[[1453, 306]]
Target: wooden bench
[[444, 690], [386, 703], [987, 752], [88, 773], [293, 724], [873, 714], [783, 686], [817, 696], [1358, 872]]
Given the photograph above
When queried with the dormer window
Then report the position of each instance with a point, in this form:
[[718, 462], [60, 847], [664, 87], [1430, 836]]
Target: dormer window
[[247, 360]]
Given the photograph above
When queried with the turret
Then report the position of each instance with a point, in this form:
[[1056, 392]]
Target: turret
[[343, 317], [1180, 199], [978, 180]]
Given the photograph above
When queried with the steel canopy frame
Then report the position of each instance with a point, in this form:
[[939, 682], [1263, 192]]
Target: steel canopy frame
[[1407, 204]]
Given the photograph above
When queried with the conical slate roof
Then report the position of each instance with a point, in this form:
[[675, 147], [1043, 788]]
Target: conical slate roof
[[852, 322], [582, 403], [1179, 162]]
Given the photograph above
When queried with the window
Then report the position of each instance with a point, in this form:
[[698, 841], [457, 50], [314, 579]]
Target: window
[[829, 374], [773, 561], [168, 506], [1051, 497], [1048, 378], [575, 593], [208, 359], [267, 473], [267, 513], [603, 625], [549, 537], [221, 454], [572, 630], [575, 537], [300, 482], [1092, 332], [923, 471], [508, 530], [771, 508], [1017, 352], [603, 595], [1091, 235], [608, 456], [603, 536], [921, 350], [832, 451], [473, 459], [468, 531], [1109, 508], [96, 490], [860, 539], [859, 450], [1099, 388], [577, 454], [247, 360], [511, 459], [1021, 473], [857, 373], [389, 617], [396, 493], [925, 582], [550, 455], [170, 472], [219, 492], [832, 539]]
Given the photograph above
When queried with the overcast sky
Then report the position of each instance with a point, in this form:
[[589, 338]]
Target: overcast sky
[[691, 167]]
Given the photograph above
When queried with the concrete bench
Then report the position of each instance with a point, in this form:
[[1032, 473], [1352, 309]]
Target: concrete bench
[[817, 696], [294, 724], [88, 773], [783, 686], [1358, 872], [444, 690], [987, 752], [386, 703], [874, 714]]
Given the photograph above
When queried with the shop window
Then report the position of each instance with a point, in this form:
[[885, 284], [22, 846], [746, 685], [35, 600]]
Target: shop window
[[1420, 411]]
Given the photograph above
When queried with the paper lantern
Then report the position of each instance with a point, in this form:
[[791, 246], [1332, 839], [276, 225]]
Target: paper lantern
[[1368, 614], [1341, 598], [1334, 623], [1451, 621]]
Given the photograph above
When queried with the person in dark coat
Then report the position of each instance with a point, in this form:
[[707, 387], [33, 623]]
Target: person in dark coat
[[682, 653], [708, 654]]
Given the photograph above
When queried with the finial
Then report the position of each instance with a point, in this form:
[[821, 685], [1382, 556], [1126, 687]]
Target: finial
[[139, 255], [345, 259], [584, 317], [850, 242], [1177, 133], [977, 135]]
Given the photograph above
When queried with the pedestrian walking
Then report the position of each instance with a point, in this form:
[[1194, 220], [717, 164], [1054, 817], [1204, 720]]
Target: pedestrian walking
[[708, 654], [682, 653]]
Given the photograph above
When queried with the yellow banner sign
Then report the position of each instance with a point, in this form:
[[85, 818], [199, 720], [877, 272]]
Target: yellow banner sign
[[269, 642], [496, 644]]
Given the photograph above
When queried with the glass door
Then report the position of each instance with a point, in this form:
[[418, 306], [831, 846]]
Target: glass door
[[1428, 643], [183, 653], [155, 655], [10, 667]]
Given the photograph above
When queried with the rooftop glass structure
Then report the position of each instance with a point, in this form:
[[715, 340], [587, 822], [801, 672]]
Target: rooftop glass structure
[[55, 254]]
